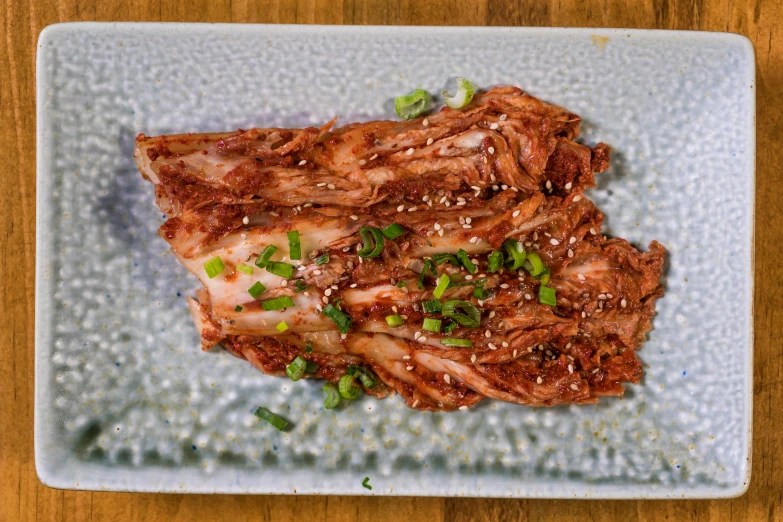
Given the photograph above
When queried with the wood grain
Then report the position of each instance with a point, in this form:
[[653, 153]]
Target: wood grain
[[22, 497]]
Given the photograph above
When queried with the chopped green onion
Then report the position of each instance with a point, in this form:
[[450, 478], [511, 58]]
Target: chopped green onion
[[479, 292], [214, 267], [456, 283], [322, 260], [533, 264], [495, 261], [332, 396], [278, 303], [256, 290], [311, 367], [449, 328], [294, 245], [464, 94], [471, 318], [393, 231], [263, 257], [462, 343], [365, 376], [428, 267], [373, 242], [431, 325], [431, 306], [547, 296], [443, 284], [366, 483], [296, 369], [347, 387], [245, 269], [281, 326], [545, 276], [309, 346], [394, 320], [443, 258], [411, 105], [342, 320], [237, 308], [275, 420], [280, 269], [402, 284], [515, 254], [466, 262], [300, 286]]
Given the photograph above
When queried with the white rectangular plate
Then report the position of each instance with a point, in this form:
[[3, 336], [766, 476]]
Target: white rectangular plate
[[125, 400]]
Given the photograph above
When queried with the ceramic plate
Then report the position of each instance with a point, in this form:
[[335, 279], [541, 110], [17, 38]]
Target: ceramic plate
[[126, 400]]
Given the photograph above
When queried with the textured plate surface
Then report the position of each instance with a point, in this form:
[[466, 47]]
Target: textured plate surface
[[125, 400]]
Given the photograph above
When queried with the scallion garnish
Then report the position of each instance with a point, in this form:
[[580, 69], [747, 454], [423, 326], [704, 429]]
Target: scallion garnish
[[294, 245], [322, 260], [256, 290], [214, 266], [411, 105], [245, 269], [427, 267], [443, 258], [449, 327], [462, 343], [545, 276], [466, 262], [347, 387], [237, 308], [365, 376], [393, 231], [431, 306], [300, 286], [547, 296], [311, 367], [332, 398], [431, 325], [296, 369], [266, 253], [282, 326], [373, 242], [495, 261], [309, 346], [515, 254], [478, 291], [366, 483], [280, 269], [275, 420], [402, 284], [278, 303], [533, 264], [393, 320], [464, 94], [471, 318], [342, 320], [443, 284]]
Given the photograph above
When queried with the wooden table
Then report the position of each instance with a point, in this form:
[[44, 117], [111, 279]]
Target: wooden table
[[22, 497]]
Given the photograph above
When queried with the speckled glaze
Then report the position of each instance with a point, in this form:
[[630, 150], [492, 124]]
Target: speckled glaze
[[125, 399]]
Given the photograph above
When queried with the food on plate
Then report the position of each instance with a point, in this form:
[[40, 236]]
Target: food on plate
[[446, 258]]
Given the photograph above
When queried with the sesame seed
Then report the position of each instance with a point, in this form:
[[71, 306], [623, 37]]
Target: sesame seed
[[354, 285], [570, 368], [468, 220], [539, 380], [480, 302], [443, 199], [430, 233], [416, 335], [577, 198], [462, 220], [440, 233], [549, 353], [601, 296], [362, 162], [303, 162], [422, 339], [425, 122], [447, 378], [425, 198], [495, 188], [473, 240], [404, 317], [515, 213], [596, 370], [346, 249], [448, 204], [400, 208], [568, 185], [335, 287], [416, 402], [491, 150], [409, 151], [325, 300], [429, 141], [473, 358], [463, 408], [487, 333], [554, 241], [584, 315], [412, 209], [328, 292], [503, 117], [409, 368], [515, 189], [574, 387], [609, 296], [468, 277], [374, 156], [330, 186], [570, 253], [549, 185], [245, 220], [492, 314], [492, 346], [504, 186], [547, 234], [466, 226], [436, 226], [572, 241], [535, 236], [581, 277], [592, 231], [318, 307], [528, 297], [504, 286], [354, 217], [406, 357], [623, 303], [243, 235], [494, 126]]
